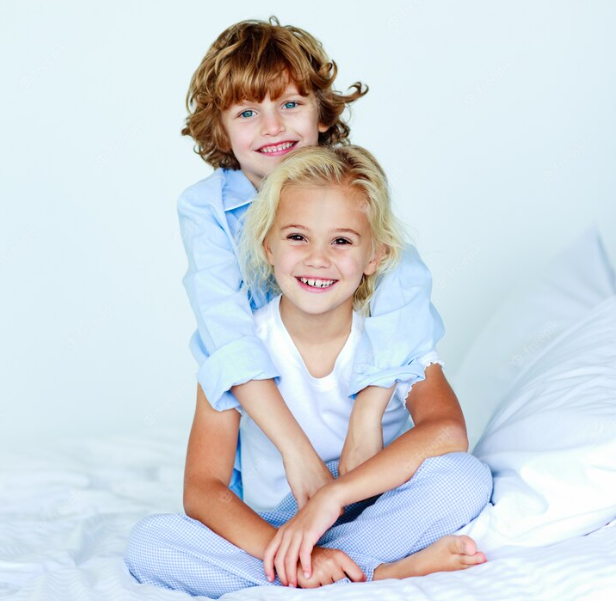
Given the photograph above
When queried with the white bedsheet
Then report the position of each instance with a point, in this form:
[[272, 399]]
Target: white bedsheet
[[66, 511]]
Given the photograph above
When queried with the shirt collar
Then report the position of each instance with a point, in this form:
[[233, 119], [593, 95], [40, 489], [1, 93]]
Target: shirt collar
[[237, 190]]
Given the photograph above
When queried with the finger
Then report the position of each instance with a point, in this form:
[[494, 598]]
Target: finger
[[305, 556], [290, 563], [279, 560], [308, 582], [268, 557], [353, 571]]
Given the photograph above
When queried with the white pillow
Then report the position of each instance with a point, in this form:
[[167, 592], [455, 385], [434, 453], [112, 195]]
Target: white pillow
[[551, 446], [577, 280]]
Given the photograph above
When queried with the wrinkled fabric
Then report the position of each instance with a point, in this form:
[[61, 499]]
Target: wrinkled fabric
[[177, 552]]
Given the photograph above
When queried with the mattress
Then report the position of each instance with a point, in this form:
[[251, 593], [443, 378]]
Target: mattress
[[66, 509]]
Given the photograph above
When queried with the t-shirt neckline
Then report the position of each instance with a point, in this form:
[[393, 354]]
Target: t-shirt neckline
[[331, 379]]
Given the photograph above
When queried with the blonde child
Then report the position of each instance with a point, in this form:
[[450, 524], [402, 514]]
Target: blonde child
[[318, 237], [262, 91]]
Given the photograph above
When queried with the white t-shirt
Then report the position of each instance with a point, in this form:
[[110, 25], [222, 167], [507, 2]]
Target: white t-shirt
[[320, 405]]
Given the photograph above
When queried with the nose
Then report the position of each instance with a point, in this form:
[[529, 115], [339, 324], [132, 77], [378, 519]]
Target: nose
[[318, 257], [272, 123]]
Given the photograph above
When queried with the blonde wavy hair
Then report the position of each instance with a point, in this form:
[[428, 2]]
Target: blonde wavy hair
[[349, 166], [250, 60]]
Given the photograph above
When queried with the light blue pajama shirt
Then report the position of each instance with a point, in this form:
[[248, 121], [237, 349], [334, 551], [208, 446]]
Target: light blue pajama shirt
[[404, 325]]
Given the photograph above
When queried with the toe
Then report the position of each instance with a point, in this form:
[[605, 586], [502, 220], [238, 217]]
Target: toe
[[472, 560], [466, 545]]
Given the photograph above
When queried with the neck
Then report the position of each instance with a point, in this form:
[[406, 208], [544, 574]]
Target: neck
[[317, 329]]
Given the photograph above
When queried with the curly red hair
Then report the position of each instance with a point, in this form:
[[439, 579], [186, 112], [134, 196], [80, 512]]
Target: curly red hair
[[250, 60]]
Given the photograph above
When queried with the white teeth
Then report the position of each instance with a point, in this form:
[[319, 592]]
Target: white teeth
[[277, 148], [317, 283]]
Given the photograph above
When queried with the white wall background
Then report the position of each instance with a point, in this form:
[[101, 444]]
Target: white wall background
[[495, 121]]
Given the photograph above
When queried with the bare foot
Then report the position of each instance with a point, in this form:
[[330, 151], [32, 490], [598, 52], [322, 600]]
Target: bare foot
[[445, 555]]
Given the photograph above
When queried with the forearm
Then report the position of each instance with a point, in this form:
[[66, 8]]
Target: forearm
[[263, 402], [369, 406], [366, 421], [398, 462], [214, 505]]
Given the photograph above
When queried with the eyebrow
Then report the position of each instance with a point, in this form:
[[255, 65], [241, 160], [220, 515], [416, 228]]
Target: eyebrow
[[285, 94], [344, 230]]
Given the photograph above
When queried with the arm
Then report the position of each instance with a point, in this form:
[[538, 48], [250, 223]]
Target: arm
[[364, 437], [230, 354], [403, 325], [226, 345], [305, 471], [439, 429], [209, 465], [365, 433]]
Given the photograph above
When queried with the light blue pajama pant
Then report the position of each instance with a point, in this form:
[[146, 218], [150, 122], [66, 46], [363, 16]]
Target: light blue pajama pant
[[177, 552]]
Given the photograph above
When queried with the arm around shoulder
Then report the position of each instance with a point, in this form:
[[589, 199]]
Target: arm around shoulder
[[226, 345], [235, 367], [403, 326]]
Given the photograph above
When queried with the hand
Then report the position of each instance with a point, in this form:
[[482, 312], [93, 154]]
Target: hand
[[330, 565], [299, 535], [306, 475], [359, 447]]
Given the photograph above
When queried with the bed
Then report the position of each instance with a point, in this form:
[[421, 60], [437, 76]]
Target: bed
[[545, 422]]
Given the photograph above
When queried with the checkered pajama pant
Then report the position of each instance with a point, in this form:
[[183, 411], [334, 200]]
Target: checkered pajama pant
[[177, 552]]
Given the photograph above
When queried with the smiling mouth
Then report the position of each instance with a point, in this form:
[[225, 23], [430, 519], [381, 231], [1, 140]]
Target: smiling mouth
[[317, 282], [276, 148]]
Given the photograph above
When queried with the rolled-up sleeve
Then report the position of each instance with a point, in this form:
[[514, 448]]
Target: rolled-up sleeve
[[404, 326], [225, 345]]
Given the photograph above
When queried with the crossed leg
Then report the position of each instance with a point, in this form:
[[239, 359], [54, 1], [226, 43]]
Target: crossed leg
[[177, 552]]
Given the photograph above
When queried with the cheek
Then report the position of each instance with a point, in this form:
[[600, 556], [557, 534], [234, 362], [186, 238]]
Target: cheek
[[284, 268], [284, 260], [240, 142], [313, 138], [351, 265], [238, 138], [309, 127]]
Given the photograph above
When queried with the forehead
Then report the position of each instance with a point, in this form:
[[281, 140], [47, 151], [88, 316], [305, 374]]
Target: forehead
[[255, 87], [322, 206]]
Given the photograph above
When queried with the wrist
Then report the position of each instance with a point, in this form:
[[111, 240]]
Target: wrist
[[335, 492], [297, 448]]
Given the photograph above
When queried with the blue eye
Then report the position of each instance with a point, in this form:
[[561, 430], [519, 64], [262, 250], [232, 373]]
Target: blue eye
[[247, 114], [291, 104]]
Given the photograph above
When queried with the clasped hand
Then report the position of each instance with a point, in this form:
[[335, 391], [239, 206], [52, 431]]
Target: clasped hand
[[318, 510], [297, 538]]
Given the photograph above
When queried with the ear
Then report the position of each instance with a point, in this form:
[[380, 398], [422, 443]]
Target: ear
[[268, 251], [375, 260], [323, 128]]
